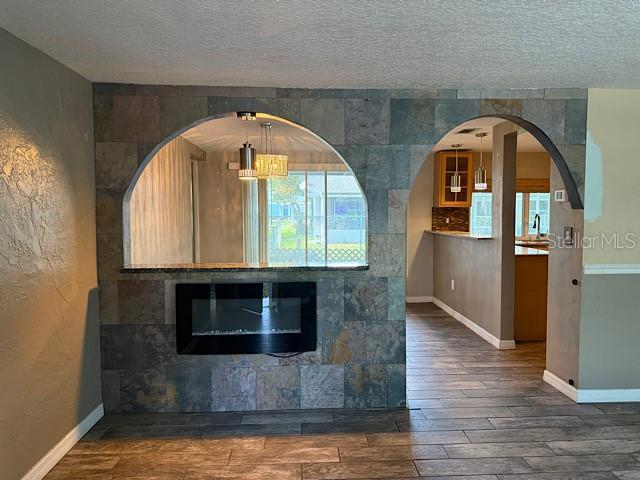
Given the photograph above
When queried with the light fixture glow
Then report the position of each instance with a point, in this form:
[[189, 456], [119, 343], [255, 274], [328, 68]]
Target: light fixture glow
[[456, 184], [269, 164], [480, 182]]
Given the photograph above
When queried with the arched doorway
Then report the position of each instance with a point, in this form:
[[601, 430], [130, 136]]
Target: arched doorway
[[472, 280]]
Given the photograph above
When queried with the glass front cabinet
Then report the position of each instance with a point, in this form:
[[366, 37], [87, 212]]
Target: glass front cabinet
[[446, 162]]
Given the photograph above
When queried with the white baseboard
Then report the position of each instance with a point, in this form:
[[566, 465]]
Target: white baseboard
[[560, 385], [53, 456], [592, 395], [477, 329], [612, 269], [589, 395], [419, 299]]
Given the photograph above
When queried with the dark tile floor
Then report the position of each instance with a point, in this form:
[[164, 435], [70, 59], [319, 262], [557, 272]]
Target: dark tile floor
[[476, 414]]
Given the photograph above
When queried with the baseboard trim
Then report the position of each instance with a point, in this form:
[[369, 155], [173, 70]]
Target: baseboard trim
[[612, 269], [477, 329], [419, 299], [53, 456], [589, 395], [560, 385], [592, 395]]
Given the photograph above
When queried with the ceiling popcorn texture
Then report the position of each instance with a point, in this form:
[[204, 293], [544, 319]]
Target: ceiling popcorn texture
[[338, 44]]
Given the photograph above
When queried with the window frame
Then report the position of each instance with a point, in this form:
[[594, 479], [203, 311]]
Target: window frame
[[524, 224], [324, 202]]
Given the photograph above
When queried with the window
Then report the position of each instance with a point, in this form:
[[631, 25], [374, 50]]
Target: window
[[539, 203], [481, 213], [519, 211], [316, 218], [286, 212], [527, 206], [346, 221]]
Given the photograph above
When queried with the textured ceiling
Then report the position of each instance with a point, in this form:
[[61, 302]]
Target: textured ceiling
[[338, 43], [228, 134], [469, 141]]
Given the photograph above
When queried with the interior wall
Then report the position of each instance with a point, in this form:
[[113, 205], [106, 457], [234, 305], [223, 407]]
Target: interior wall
[[611, 177], [49, 327], [473, 266], [160, 208], [220, 198], [609, 327], [563, 298], [528, 164], [419, 242], [533, 165]]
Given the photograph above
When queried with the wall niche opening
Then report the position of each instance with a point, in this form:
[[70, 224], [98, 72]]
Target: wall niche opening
[[197, 201]]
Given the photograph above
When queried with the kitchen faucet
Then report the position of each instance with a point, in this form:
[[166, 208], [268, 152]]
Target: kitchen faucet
[[536, 225]]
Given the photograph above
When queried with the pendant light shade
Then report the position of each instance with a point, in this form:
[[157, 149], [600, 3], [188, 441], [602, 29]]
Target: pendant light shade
[[247, 169], [480, 177], [268, 164], [456, 183]]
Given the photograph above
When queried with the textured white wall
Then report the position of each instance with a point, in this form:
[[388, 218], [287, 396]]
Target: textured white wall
[[49, 326]]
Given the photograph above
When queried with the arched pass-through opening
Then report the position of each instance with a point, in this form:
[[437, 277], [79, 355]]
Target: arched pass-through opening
[[186, 203], [473, 279]]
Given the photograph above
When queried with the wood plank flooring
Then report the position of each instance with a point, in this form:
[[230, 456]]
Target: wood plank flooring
[[476, 414]]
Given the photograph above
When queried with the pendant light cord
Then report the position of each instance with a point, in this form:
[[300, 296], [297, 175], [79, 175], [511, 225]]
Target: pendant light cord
[[456, 160]]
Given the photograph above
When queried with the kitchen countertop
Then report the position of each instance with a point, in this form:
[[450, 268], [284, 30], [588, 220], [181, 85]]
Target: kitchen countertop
[[458, 234], [520, 251], [533, 243]]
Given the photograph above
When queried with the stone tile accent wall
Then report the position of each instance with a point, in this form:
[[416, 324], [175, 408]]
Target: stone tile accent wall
[[385, 136], [458, 218]]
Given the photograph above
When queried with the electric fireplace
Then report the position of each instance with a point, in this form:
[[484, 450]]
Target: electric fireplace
[[232, 318]]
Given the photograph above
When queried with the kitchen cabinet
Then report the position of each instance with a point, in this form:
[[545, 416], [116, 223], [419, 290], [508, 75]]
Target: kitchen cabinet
[[446, 163]]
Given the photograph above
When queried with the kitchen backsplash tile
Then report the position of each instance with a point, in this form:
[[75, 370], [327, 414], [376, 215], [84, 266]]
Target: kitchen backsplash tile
[[458, 218]]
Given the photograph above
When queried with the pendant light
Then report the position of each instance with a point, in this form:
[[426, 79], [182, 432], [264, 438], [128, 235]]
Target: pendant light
[[481, 172], [247, 169], [269, 164], [456, 184]]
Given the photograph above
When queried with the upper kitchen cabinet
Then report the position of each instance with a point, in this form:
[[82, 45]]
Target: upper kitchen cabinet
[[446, 166]]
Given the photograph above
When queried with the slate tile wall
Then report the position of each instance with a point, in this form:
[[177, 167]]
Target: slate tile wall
[[385, 136]]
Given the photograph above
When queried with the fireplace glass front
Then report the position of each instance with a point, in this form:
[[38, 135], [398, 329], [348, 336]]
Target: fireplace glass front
[[267, 317]]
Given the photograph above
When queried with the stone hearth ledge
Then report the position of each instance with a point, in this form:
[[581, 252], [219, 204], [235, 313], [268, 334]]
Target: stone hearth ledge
[[236, 267]]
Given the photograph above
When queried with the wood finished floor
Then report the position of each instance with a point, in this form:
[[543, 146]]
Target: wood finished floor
[[476, 414]]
